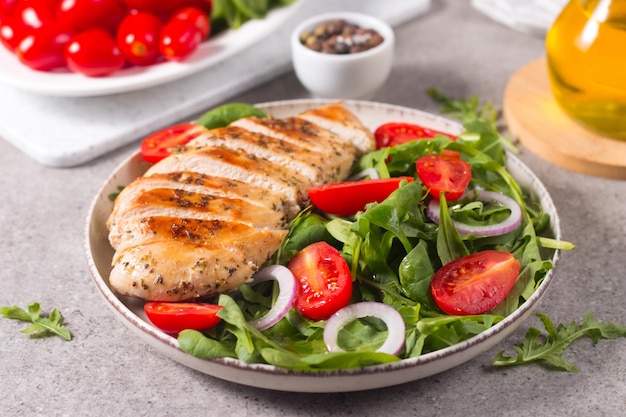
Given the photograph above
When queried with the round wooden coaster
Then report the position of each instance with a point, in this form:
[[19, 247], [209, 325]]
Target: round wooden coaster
[[534, 117]]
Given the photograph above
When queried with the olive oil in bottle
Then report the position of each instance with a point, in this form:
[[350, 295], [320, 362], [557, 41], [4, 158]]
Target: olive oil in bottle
[[586, 53]]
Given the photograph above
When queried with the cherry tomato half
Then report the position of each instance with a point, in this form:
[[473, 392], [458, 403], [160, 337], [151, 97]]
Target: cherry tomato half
[[94, 53], [175, 317], [138, 38], [324, 281], [159, 144], [446, 173], [397, 133], [475, 284], [347, 198], [179, 38]]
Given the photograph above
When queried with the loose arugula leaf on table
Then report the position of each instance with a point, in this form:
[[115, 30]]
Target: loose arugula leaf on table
[[547, 349], [41, 326]]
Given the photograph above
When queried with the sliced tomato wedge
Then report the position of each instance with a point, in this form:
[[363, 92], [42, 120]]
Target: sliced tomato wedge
[[476, 283], [175, 317], [324, 281], [397, 133], [446, 173], [160, 144], [347, 198]]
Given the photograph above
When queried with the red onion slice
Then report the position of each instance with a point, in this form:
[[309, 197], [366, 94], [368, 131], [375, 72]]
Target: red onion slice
[[370, 173], [510, 224], [389, 315], [287, 294]]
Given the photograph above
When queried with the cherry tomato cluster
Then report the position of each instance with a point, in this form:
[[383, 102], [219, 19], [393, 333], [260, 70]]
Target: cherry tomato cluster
[[99, 37]]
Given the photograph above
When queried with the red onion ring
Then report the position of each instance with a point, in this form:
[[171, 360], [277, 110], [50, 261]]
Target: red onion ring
[[508, 225], [370, 173], [287, 294], [389, 315]]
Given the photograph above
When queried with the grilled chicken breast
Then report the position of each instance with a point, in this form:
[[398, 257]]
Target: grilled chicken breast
[[203, 220]]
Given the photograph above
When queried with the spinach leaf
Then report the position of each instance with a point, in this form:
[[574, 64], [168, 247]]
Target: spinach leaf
[[228, 113]]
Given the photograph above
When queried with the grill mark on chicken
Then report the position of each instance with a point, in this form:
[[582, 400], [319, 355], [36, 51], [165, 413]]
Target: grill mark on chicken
[[309, 162], [168, 202], [342, 123], [299, 131], [241, 166], [194, 182], [205, 219], [200, 232], [146, 270]]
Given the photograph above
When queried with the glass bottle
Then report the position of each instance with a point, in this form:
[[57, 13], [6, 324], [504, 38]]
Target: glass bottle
[[586, 53]]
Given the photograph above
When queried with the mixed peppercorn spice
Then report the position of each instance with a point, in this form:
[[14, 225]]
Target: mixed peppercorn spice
[[340, 37]]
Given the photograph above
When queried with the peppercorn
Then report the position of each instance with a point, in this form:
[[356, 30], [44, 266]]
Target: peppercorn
[[340, 37]]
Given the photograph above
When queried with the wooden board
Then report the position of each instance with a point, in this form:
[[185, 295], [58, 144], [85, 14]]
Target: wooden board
[[534, 117]]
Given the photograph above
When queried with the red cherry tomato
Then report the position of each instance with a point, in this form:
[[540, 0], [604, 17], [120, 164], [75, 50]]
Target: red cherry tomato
[[446, 173], [347, 198], [197, 16], [175, 317], [42, 48], [324, 281], [138, 38], [94, 53], [7, 7], [167, 6], [397, 133], [159, 144], [475, 284], [12, 31], [87, 14], [35, 13], [179, 39]]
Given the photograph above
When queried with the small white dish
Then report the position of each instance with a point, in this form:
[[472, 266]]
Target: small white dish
[[345, 76], [210, 53], [130, 311]]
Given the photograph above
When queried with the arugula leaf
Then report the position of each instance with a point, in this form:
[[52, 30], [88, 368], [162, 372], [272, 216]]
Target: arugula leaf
[[476, 120], [548, 349], [450, 246], [41, 326]]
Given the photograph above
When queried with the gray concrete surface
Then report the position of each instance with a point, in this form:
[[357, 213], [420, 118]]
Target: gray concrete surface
[[107, 371]]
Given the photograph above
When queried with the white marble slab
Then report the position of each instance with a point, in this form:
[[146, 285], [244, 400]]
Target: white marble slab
[[64, 131]]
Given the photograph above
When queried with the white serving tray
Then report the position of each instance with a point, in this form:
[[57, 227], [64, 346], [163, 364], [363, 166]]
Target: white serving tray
[[68, 131]]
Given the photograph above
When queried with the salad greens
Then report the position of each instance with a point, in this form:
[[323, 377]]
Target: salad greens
[[235, 13], [41, 326], [393, 250]]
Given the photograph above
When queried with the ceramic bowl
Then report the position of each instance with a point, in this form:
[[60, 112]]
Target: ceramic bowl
[[345, 76], [130, 311]]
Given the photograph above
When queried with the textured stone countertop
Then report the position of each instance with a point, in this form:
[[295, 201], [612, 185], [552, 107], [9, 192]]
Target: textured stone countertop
[[106, 370]]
